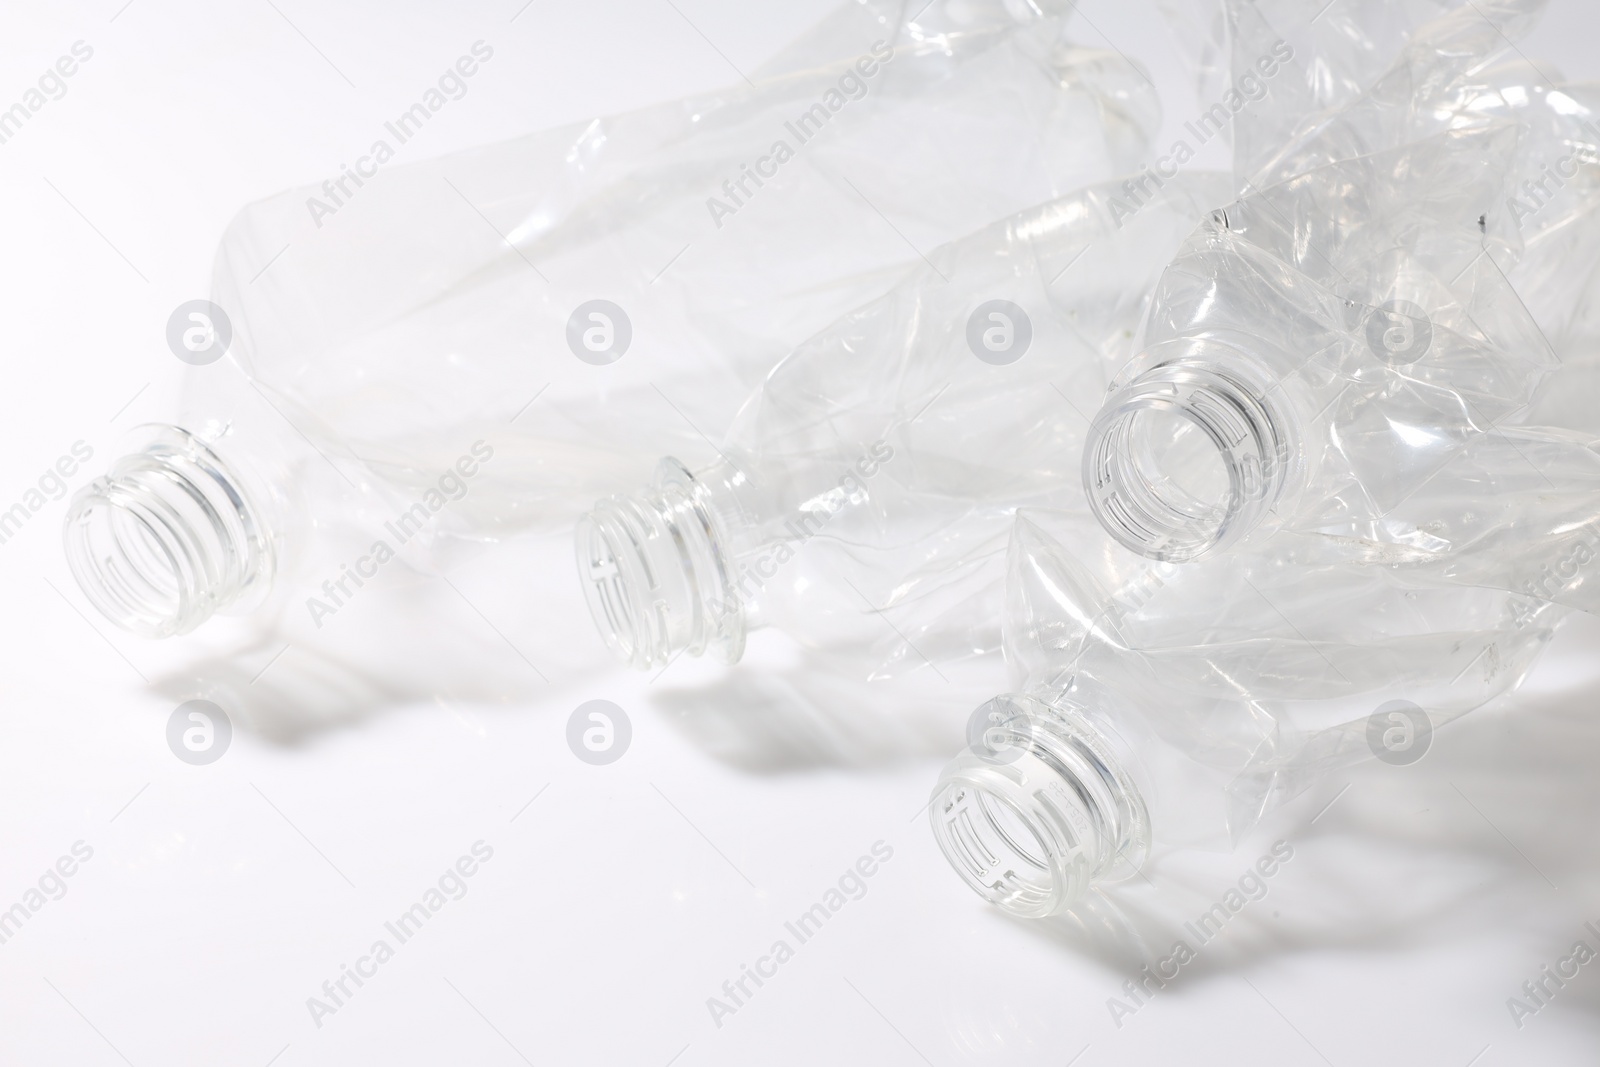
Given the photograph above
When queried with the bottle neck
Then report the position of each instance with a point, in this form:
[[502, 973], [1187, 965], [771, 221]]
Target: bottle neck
[[169, 537], [658, 570], [1190, 455], [1039, 808]]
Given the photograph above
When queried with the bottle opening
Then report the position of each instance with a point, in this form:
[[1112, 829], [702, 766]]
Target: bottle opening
[[1183, 460], [995, 849], [1036, 813], [655, 574], [167, 538]]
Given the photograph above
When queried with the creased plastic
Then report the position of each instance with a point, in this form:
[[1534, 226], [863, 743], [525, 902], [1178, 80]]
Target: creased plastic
[[1388, 326], [861, 500], [1215, 691], [435, 301]]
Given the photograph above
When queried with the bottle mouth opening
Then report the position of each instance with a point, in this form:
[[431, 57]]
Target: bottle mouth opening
[[1036, 810], [997, 844], [1182, 462], [165, 539], [129, 565], [655, 574]]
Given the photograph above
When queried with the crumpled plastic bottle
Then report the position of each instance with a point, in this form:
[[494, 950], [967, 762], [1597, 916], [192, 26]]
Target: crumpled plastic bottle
[[1368, 75], [1163, 706], [860, 504], [1342, 358], [432, 348], [640, 274]]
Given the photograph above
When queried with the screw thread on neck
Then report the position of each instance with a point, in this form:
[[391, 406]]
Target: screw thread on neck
[[1039, 810], [168, 537], [658, 573], [1187, 457]]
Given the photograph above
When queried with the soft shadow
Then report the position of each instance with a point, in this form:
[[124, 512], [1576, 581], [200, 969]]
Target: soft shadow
[[1491, 834], [479, 637], [813, 712]]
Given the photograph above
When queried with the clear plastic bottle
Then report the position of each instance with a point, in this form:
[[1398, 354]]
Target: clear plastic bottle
[[235, 511], [416, 335], [1364, 76], [1162, 706], [639, 274], [861, 502], [1387, 347], [1341, 359]]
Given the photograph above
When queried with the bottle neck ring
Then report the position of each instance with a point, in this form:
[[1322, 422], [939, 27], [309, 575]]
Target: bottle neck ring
[[168, 537], [657, 574], [1038, 809], [1186, 458]]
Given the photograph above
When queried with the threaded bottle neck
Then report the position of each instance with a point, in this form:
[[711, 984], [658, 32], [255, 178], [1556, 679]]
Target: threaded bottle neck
[[658, 573], [167, 538], [1039, 809], [1188, 457]]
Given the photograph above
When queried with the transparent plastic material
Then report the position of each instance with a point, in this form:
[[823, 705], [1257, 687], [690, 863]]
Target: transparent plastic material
[[1385, 73], [1303, 85], [1303, 88], [1157, 706], [229, 514], [639, 274], [861, 501], [1342, 359], [436, 345]]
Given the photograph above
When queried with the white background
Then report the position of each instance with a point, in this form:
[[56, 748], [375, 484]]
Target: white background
[[220, 898]]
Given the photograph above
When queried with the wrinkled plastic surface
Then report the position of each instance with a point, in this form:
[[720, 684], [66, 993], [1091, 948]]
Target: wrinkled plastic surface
[[868, 484], [1373, 365], [1307, 84], [438, 302], [1418, 314], [1239, 681]]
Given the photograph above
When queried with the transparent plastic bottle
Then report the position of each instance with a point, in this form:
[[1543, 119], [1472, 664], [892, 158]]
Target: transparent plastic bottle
[[1363, 77], [1160, 706], [1340, 359], [1316, 87], [860, 504], [233, 511], [1390, 367], [639, 274], [416, 335]]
